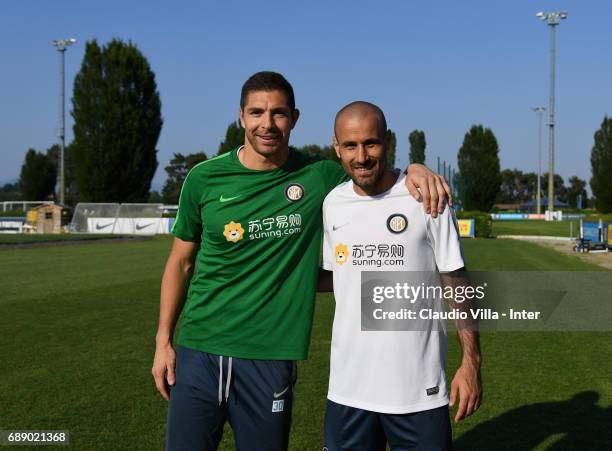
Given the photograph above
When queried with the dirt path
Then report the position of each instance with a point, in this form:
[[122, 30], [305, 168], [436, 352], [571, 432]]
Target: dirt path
[[565, 246]]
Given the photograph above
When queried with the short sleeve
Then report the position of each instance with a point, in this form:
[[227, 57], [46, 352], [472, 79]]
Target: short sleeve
[[328, 255], [188, 223], [443, 234], [332, 173]]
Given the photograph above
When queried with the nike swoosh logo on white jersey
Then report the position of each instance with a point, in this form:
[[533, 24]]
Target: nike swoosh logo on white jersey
[[278, 395], [336, 227]]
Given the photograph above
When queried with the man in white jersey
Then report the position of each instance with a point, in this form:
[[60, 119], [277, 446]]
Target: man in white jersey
[[387, 386]]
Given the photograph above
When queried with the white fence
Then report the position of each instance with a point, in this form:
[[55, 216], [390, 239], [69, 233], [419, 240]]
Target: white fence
[[10, 204], [12, 225]]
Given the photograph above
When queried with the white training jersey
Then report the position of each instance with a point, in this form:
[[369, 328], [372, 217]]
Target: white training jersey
[[384, 371]]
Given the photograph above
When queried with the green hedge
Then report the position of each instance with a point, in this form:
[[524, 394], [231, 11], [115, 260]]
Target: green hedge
[[14, 213], [482, 222], [596, 217]]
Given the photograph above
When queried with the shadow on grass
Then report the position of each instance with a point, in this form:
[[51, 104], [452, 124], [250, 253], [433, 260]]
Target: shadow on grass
[[577, 423]]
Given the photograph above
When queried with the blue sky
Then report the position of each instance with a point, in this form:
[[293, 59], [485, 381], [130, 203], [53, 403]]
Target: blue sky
[[436, 66]]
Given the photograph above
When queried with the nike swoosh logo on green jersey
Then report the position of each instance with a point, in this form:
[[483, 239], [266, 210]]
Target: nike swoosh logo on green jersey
[[227, 199]]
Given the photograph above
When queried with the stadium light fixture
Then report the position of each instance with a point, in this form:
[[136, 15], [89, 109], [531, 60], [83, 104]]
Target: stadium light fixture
[[539, 110], [61, 45], [552, 19]]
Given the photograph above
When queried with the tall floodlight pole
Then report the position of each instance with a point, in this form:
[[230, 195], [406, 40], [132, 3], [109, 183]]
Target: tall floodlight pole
[[552, 19], [60, 45], [539, 110]]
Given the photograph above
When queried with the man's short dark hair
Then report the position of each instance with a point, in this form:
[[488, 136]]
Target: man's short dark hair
[[267, 81]]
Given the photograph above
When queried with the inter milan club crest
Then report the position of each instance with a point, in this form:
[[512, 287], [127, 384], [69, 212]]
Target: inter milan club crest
[[397, 223], [294, 192]]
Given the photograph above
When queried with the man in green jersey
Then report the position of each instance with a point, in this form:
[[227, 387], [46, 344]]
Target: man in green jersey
[[245, 257]]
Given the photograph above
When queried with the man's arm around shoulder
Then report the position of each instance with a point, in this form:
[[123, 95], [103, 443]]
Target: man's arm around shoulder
[[175, 282], [433, 188]]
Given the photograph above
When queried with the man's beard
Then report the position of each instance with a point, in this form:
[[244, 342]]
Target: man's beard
[[368, 183]]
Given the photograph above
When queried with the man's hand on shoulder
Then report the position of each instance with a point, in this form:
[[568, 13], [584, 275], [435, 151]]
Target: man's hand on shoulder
[[468, 387], [164, 364], [433, 188]]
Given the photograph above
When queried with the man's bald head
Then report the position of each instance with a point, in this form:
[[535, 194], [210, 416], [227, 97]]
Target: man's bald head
[[361, 109], [361, 144]]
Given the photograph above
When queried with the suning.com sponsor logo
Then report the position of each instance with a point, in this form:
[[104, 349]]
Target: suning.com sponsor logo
[[370, 255], [273, 227]]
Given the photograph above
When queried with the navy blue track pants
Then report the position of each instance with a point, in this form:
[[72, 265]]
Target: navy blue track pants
[[348, 428], [255, 396]]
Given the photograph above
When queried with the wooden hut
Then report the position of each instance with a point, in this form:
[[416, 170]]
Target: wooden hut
[[48, 218]]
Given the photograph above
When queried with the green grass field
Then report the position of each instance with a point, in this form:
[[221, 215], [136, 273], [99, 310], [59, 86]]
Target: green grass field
[[22, 238], [539, 228], [78, 325]]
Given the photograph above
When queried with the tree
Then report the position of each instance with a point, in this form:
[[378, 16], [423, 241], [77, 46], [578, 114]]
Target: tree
[[391, 150], [234, 137], [117, 122], [70, 190], [516, 186], [326, 152], [559, 189], [10, 191], [509, 187], [478, 161], [417, 146], [601, 167], [155, 198], [38, 176], [528, 184], [177, 170], [576, 189]]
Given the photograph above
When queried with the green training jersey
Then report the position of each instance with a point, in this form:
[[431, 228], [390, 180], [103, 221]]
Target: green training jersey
[[252, 293]]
